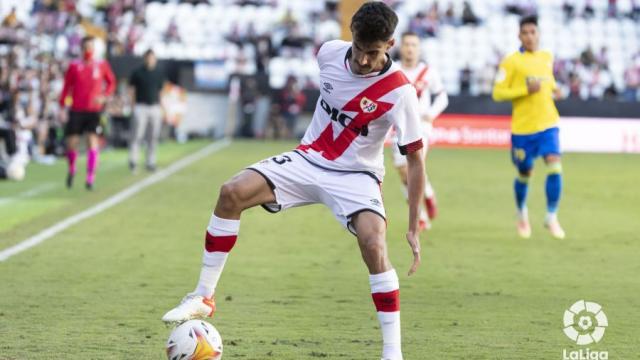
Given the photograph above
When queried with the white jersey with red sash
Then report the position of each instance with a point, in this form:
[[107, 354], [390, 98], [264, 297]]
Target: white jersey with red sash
[[354, 114], [428, 84]]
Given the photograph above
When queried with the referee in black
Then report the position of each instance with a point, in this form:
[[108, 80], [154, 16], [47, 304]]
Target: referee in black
[[145, 86]]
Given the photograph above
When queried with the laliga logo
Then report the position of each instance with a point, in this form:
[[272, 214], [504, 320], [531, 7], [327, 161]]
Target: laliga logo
[[585, 323]]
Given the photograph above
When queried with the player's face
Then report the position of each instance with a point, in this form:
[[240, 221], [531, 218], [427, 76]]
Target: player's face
[[88, 46], [529, 37], [369, 57], [150, 61], [410, 48]]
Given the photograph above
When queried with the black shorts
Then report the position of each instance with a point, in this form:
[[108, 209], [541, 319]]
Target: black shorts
[[82, 122]]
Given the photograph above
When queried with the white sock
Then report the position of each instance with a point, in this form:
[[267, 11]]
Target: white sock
[[428, 189], [523, 214], [386, 297], [220, 238], [551, 217], [405, 192]]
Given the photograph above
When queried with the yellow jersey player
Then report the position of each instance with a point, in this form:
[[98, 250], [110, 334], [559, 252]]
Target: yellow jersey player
[[526, 79]]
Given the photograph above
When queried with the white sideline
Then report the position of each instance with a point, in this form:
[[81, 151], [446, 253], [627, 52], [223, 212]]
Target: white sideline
[[111, 201]]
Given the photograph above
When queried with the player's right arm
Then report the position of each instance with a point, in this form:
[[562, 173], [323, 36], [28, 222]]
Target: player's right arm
[[67, 85], [504, 87], [69, 79]]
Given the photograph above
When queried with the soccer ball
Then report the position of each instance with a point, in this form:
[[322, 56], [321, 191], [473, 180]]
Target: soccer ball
[[15, 171], [194, 340]]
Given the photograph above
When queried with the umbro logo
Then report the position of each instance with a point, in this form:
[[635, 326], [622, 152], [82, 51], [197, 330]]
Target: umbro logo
[[327, 87], [375, 202]]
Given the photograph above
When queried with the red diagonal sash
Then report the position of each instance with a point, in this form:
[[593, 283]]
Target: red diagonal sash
[[332, 148]]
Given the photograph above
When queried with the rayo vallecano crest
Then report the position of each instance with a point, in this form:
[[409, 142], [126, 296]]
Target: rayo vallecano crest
[[367, 105]]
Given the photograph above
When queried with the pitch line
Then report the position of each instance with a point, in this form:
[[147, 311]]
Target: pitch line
[[123, 195]]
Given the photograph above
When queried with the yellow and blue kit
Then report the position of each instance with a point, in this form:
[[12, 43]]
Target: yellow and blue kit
[[535, 117]]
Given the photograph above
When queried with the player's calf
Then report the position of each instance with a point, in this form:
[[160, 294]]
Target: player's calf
[[371, 231], [553, 190], [521, 188]]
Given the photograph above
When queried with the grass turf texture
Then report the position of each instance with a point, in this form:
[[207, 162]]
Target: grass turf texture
[[295, 287]]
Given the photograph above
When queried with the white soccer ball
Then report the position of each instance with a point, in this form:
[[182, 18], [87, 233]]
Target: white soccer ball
[[15, 171], [194, 340]]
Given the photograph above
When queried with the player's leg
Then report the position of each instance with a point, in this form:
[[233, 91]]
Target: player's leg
[[155, 121], [429, 194], [522, 156], [92, 121], [138, 128], [243, 191], [370, 228], [553, 184], [400, 163], [72, 132], [93, 154]]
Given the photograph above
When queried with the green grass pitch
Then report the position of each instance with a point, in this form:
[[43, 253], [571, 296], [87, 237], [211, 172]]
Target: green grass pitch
[[295, 287]]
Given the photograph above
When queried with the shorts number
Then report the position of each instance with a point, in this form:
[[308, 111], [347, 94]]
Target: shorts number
[[282, 160], [519, 154]]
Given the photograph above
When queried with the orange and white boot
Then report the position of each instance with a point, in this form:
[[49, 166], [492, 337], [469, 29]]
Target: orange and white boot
[[191, 307], [524, 227], [551, 222]]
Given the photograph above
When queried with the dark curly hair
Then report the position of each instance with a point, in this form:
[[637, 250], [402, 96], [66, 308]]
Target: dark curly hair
[[374, 21], [531, 19]]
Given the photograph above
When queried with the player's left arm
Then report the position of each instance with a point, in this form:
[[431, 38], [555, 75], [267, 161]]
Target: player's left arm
[[415, 185], [407, 123], [440, 100], [109, 79]]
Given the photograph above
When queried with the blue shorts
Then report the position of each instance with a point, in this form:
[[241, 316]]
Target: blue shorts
[[526, 148]]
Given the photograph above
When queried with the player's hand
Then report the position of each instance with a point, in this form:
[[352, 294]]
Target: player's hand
[[533, 86], [100, 100], [414, 242], [64, 116]]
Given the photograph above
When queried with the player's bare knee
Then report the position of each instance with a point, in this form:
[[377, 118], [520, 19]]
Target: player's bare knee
[[372, 240], [229, 199], [373, 244], [525, 173]]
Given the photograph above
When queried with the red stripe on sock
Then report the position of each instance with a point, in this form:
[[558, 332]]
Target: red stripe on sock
[[219, 243], [388, 301]]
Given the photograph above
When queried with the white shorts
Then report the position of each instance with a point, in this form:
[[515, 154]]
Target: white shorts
[[401, 160], [297, 182]]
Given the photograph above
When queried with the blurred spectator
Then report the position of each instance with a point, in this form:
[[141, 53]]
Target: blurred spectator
[[612, 9], [291, 101], [520, 7], [635, 10], [468, 16], [146, 83], [172, 34], [632, 82], [587, 57], [485, 79], [450, 15], [588, 11], [569, 9], [11, 20], [465, 80], [603, 57]]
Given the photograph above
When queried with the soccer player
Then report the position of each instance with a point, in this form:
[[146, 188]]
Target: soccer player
[[89, 82], [428, 84], [339, 163], [526, 79]]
